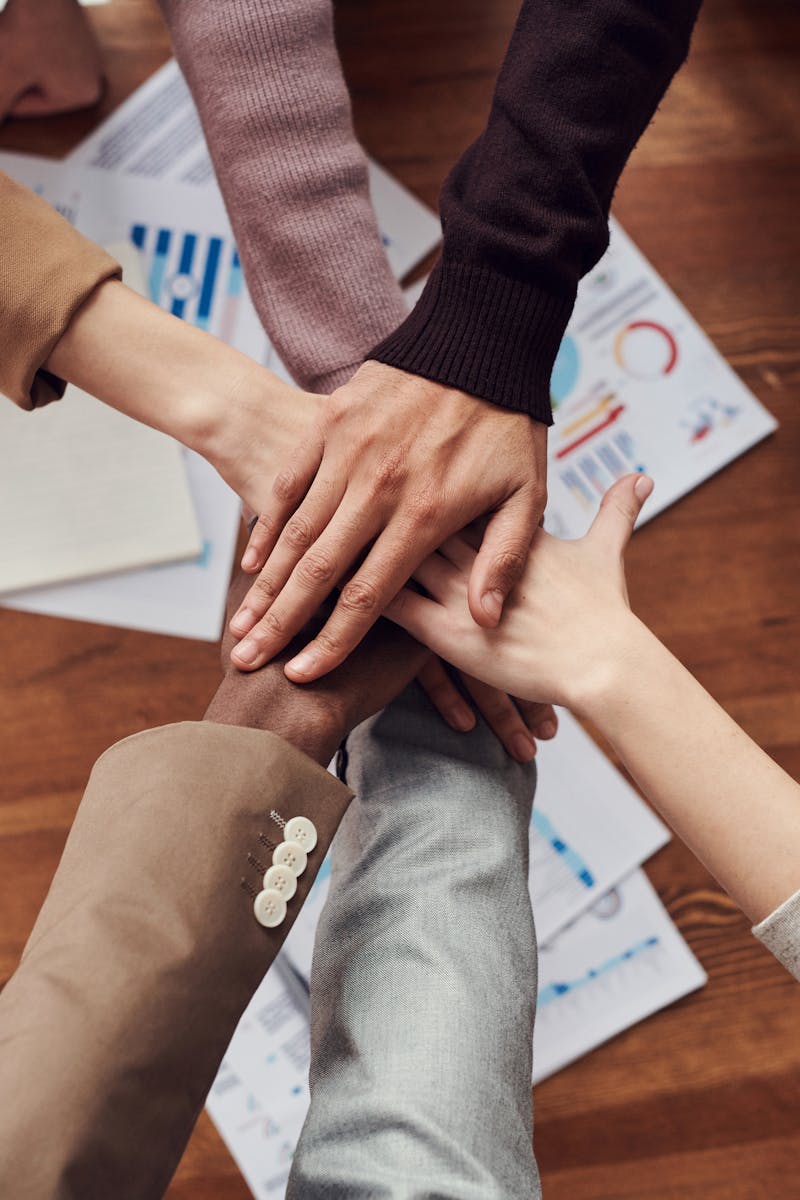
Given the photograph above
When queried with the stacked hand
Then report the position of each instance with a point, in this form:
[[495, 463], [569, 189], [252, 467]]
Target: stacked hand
[[565, 626], [317, 718], [395, 463], [393, 467]]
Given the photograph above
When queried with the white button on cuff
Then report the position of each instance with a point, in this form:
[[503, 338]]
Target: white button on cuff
[[290, 855], [270, 908], [281, 880], [302, 831]]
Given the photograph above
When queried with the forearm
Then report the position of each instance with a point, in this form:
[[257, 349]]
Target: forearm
[[525, 209], [736, 809], [115, 1022], [268, 85], [167, 374]]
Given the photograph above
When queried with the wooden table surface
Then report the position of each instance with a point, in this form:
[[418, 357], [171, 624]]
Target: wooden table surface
[[703, 1100]]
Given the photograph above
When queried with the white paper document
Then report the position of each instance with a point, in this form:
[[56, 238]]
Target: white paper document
[[260, 1097], [637, 386], [86, 491], [617, 964], [156, 134]]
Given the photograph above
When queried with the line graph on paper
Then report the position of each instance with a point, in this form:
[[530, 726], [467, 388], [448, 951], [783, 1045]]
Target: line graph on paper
[[606, 973]]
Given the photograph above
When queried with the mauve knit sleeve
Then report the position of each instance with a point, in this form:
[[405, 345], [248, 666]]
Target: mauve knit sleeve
[[266, 78], [525, 210]]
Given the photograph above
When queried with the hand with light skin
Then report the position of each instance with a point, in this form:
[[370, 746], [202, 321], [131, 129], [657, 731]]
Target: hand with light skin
[[568, 635], [394, 466], [567, 615], [49, 60]]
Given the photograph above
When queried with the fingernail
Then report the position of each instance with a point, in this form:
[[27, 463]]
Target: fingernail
[[243, 621], [462, 719], [523, 747], [546, 730], [249, 559], [246, 651], [303, 663], [643, 487], [492, 603]]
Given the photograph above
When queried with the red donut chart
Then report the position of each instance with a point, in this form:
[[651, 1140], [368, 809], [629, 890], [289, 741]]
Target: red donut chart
[[670, 345]]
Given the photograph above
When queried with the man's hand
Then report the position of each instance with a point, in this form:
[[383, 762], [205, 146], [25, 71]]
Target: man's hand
[[514, 722], [396, 465], [316, 719], [49, 61]]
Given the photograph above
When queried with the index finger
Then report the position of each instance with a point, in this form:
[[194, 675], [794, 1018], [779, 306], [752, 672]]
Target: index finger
[[388, 566]]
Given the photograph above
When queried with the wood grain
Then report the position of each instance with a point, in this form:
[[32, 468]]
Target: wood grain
[[701, 1101]]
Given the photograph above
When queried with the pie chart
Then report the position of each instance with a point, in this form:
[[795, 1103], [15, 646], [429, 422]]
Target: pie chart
[[645, 349]]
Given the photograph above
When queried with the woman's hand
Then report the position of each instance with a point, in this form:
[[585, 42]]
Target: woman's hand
[[565, 622]]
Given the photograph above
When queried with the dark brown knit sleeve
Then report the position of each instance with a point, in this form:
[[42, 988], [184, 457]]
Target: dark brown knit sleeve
[[525, 210]]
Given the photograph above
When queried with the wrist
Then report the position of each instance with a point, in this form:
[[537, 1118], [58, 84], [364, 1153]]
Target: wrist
[[308, 722], [602, 683]]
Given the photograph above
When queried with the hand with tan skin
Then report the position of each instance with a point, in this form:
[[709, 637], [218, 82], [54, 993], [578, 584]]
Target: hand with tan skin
[[246, 422], [49, 60], [394, 466]]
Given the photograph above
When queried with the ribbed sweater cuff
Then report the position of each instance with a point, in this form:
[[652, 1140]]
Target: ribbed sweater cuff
[[485, 334]]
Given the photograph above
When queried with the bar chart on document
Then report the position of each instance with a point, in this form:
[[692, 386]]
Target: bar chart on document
[[198, 277], [638, 387]]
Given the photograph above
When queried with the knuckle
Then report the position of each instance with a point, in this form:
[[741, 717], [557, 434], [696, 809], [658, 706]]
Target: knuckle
[[265, 589], [329, 642], [318, 567], [299, 532], [390, 473], [286, 485], [271, 625], [425, 511], [360, 596], [264, 525]]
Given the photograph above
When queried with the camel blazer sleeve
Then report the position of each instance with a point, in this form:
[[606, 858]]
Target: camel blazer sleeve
[[48, 270], [144, 956]]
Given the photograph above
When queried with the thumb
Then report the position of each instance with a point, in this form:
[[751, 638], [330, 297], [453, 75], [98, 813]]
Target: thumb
[[501, 559], [621, 505]]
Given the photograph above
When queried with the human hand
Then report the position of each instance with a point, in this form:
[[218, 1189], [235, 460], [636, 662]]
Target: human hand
[[317, 718], [566, 621], [49, 61], [396, 465], [164, 372], [514, 722]]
